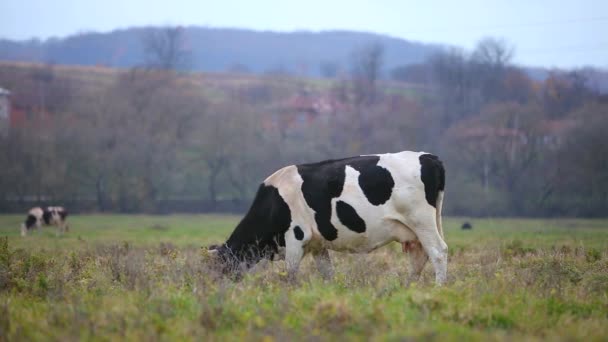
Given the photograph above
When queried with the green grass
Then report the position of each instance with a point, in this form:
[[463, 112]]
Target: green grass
[[139, 277], [138, 230]]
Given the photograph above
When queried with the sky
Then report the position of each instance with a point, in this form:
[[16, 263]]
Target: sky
[[549, 33]]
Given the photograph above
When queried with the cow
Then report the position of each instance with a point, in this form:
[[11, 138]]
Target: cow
[[355, 204], [50, 216]]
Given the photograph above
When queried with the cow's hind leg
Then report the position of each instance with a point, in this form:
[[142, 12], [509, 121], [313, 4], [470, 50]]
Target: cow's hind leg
[[323, 262], [425, 228], [295, 239]]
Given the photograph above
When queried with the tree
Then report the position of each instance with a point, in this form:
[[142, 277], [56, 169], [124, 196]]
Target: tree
[[564, 92], [366, 66], [518, 87], [490, 60], [580, 178], [497, 149], [455, 85], [165, 48], [493, 52], [230, 149], [465, 82]]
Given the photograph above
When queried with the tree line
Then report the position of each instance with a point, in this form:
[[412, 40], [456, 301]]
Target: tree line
[[156, 139]]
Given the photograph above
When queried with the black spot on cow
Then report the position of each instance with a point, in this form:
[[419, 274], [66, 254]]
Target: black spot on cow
[[322, 182], [298, 233], [325, 180], [30, 221], [46, 216], [349, 217], [261, 231], [376, 182], [433, 176], [466, 226], [63, 214]]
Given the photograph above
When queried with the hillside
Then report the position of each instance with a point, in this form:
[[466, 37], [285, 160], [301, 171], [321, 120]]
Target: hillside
[[96, 78], [221, 49]]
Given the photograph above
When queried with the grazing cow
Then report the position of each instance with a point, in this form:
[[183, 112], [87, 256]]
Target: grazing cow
[[50, 216], [355, 205], [466, 226]]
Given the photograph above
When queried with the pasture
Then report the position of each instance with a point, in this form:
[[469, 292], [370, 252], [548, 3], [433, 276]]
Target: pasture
[[138, 277]]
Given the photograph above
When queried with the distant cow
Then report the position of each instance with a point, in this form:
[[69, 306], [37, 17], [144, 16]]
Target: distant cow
[[50, 216], [354, 205]]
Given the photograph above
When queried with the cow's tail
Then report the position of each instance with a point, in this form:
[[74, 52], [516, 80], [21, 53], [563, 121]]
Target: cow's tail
[[432, 175], [438, 213]]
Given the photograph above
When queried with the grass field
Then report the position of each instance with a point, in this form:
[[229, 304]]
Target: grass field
[[147, 278]]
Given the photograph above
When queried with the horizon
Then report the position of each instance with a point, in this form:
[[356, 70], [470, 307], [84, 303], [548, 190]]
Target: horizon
[[530, 28], [295, 31]]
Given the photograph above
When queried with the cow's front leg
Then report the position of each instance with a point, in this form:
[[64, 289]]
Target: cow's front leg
[[295, 238], [323, 262]]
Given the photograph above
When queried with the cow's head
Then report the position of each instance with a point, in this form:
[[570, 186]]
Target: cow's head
[[228, 262], [234, 261]]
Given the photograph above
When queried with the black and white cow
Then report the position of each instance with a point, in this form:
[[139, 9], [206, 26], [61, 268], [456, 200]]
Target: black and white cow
[[355, 205], [50, 216]]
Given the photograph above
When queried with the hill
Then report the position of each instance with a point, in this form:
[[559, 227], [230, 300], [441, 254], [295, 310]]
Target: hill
[[216, 49]]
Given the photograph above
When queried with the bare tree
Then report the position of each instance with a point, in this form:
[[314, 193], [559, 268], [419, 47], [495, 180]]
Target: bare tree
[[455, 85], [581, 164], [366, 65], [564, 92], [494, 52], [490, 60], [465, 82], [497, 149], [229, 149], [165, 48]]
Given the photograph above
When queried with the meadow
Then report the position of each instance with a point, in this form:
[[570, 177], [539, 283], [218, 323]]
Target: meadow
[[138, 277]]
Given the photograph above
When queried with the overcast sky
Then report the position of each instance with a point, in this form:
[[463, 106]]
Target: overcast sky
[[544, 32]]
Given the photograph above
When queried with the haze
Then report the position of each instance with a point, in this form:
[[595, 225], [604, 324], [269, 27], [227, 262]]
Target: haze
[[544, 33]]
